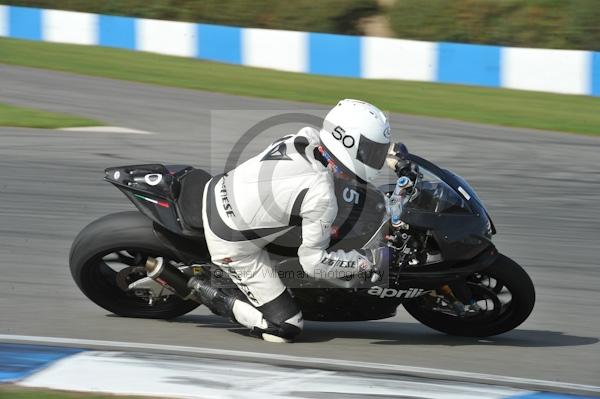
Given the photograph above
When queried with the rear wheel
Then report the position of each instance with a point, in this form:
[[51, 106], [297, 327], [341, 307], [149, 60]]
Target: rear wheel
[[503, 296], [109, 254]]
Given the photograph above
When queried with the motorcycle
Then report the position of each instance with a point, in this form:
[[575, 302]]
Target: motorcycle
[[445, 269]]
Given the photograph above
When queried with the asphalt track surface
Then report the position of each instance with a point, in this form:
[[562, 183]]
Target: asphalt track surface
[[542, 190]]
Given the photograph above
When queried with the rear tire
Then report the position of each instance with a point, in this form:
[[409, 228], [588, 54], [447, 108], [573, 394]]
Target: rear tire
[[507, 273], [124, 231]]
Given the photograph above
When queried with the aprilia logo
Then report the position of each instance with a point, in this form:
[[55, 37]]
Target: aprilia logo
[[394, 293]]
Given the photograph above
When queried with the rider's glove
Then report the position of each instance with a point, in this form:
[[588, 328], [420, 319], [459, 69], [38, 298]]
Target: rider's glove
[[396, 150]]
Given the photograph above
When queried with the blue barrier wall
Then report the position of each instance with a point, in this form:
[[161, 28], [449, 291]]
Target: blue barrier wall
[[116, 31], [483, 68], [595, 74], [25, 23], [559, 71], [336, 55], [220, 43]]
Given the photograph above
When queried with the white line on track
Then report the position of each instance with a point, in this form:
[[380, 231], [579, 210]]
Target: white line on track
[[424, 372], [104, 129]]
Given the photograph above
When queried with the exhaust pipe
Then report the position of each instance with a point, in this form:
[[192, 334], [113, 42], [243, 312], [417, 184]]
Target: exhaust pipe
[[169, 276]]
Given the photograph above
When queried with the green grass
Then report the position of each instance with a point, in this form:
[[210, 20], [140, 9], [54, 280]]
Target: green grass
[[11, 115], [15, 392], [577, 114]]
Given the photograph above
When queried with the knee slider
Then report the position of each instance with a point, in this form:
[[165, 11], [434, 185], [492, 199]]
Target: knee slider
[[283, 330], [289, 331], [290, 328]]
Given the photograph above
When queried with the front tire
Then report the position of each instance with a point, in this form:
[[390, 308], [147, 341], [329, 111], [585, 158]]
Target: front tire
[[507, 276], [131, 235]]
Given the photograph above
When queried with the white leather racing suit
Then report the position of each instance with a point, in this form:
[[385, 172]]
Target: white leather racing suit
[[261, 199]]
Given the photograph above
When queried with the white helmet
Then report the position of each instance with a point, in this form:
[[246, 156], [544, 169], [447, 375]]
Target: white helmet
[[357, 135]]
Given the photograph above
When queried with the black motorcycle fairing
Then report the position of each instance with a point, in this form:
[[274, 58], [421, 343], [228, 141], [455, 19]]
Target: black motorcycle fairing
[[458, 237], [344, 305], [446, 270], [150, 188], [169, 195], [339, 304], [361, 211], [457, 183], [189, 249], [461, 227], [467, 187]]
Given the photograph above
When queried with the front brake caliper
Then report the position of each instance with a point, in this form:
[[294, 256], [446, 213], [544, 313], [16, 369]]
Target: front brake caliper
[[457, 305]]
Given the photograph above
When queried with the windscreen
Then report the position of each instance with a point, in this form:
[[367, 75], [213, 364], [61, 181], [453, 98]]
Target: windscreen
[[431, 194]]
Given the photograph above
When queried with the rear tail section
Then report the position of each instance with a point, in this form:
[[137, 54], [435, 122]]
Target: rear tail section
[[153, 189]]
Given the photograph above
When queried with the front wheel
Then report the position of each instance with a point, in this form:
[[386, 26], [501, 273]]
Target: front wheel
[[109, 254], [503, 296]]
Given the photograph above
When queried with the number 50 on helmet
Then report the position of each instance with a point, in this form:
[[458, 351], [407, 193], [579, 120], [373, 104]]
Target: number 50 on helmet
[[357, 136]]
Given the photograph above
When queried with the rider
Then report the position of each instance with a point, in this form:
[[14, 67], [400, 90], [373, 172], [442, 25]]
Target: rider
[[290, 184]]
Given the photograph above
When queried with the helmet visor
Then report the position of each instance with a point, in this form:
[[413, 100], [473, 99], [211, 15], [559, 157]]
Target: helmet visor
[[372, 153]]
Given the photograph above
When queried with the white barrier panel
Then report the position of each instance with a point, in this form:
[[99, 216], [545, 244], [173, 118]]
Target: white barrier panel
[[166, 37], [384, 58], [557, 71], [275, 49], [69, 27], [3, 21]]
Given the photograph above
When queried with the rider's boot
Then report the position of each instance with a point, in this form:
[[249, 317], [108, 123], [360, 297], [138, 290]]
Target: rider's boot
[[242, 313]]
